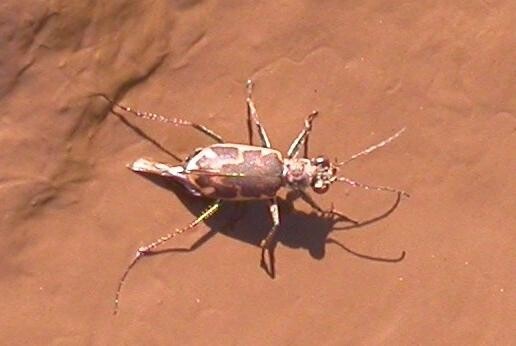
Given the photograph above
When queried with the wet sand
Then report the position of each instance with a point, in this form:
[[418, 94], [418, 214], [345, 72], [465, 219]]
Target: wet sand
[[73, 215]]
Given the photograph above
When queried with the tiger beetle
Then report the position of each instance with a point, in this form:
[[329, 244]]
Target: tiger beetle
[[240, 172]]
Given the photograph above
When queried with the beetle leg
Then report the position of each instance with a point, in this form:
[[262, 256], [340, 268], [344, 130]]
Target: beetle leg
[[249, 86], [302, 137], [173, 121], [252, 116], [332, 211], [147, 250], [229, 226], [203, 239], [268, 243]]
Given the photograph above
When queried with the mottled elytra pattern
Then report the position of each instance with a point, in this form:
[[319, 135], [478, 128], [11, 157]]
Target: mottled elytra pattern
[[248, 173], [225, 152]]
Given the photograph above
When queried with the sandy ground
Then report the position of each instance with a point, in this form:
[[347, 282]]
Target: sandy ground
[[72, 215]]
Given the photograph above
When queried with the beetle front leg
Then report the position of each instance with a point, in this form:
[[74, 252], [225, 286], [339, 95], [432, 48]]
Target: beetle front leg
[[333, 212], [252, 116], [268, 243], [302, 137], [147, 250]]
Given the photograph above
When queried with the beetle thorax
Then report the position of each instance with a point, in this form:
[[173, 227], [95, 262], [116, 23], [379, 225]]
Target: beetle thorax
[[298, 174]]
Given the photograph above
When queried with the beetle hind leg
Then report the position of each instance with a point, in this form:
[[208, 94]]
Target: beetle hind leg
[[163, 119], [148, 249]]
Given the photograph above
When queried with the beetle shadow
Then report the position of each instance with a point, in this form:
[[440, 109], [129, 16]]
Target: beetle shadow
[[250, 222], [144, 135], [312, 231]]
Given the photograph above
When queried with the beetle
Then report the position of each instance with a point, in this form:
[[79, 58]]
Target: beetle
[[239, 172]]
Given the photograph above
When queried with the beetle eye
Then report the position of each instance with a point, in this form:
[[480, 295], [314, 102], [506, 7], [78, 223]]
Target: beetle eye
[[322, 161], [321, 189]]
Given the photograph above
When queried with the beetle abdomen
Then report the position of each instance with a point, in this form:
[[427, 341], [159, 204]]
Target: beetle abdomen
[[236, 171]]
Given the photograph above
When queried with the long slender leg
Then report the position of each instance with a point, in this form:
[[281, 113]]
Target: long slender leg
[[249, 86], [252, 116], [147, 250], [333, 212], [302, 137], [268, 243], [205, 237], [202, 239], [305, 150], [173, 121]]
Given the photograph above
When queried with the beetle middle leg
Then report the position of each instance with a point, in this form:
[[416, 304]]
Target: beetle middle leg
[[302, 137], [268, 243], [147, 250], [252, 116]]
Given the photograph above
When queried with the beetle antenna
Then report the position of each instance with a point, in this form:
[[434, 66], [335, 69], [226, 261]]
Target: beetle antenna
[[372, 148], [370, 187]]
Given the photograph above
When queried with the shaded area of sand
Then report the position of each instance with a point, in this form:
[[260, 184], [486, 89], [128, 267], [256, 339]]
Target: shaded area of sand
[[73, 215]]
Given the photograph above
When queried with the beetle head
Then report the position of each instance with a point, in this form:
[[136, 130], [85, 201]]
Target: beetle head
[[318, 173], [324, 174]]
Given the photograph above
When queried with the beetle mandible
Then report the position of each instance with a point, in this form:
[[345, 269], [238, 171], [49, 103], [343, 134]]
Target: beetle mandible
[[238, 172]]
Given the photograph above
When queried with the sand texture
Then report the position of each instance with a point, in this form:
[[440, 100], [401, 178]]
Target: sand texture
[[72, 214]]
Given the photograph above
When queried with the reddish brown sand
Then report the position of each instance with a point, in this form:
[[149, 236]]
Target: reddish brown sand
[[72, 215]]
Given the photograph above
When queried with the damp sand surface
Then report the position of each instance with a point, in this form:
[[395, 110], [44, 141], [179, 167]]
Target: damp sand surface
[[72, 214]]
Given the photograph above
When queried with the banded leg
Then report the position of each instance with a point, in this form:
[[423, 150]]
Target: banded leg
[[252, 116], [268, 243], [333, 212], [173, 121], [147, 250], [302, 137], [205, 237], [196, 244]]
